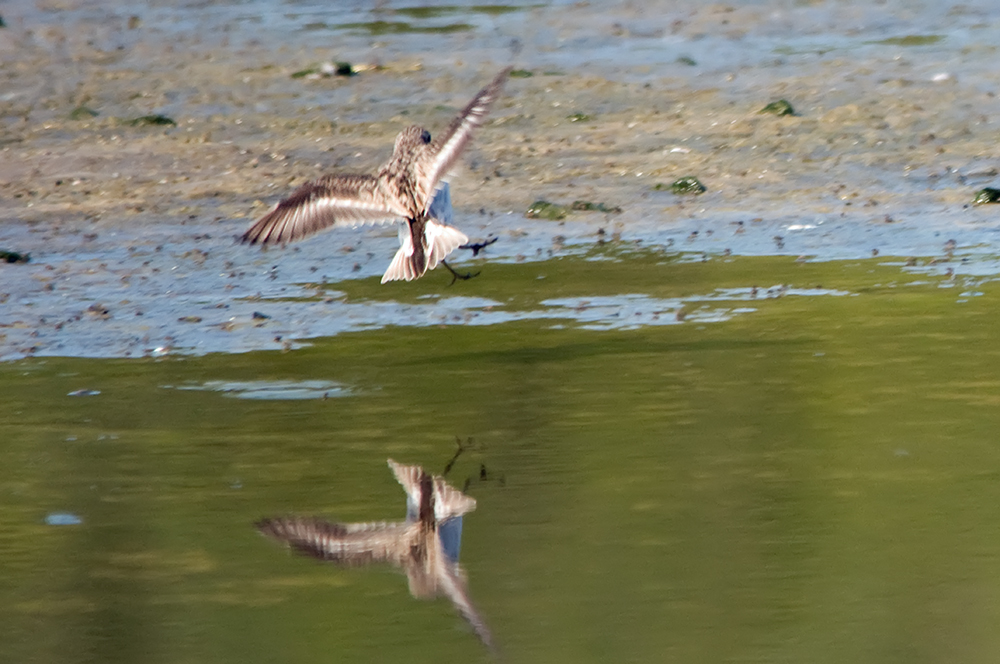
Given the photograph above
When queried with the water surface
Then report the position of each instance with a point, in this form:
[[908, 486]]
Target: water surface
[[814, 478]]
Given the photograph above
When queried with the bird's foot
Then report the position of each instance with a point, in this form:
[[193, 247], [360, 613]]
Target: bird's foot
[[476, 247], [455, 276]]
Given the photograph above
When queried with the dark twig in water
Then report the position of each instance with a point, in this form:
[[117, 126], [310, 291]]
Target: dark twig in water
[[478, 246], [455, 276]]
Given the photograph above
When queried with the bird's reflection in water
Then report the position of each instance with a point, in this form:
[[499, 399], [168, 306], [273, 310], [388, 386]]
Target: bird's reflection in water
[[425, 546]]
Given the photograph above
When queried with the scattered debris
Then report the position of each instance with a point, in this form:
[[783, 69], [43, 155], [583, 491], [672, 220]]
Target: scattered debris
[[683, 186], [82, 113], [62, 519], [780, 107], [949, 249], [986, 195], [909, 40], [587, 206], [152, 121], [338, 69], [7, 256], [379, 28], [541, 209], [545, 210], [328, 69], [98, 310]]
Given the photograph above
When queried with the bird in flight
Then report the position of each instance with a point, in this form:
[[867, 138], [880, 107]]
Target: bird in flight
[[403, 189], [415, 545]]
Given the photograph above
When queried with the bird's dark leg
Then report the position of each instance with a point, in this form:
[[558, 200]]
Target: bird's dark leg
[[458, 452], [455, 276]]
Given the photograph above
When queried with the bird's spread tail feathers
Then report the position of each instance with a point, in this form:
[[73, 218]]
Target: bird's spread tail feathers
[[439, 241]]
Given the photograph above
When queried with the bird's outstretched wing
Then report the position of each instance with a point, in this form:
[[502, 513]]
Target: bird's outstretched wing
[[451, 583], [449, 144], [449, 502], [336, 200], [346, 544]]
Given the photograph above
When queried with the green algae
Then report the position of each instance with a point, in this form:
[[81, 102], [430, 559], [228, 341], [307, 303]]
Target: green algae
[[152, 121], [446, 10], [909, 40], [8, 256], [555, 212], [986, 195], [379, 28], [82, 113], [546, 210], [685, 186], [779, 108], [588, 206]]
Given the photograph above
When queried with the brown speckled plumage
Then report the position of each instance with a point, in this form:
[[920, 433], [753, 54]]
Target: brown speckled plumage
[[413, 545], [403, 189]]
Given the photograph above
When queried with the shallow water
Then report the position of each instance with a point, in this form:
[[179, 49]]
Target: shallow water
[[813, 478], [754, 425]]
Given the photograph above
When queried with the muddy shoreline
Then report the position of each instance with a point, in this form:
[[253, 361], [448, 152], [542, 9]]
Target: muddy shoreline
[[895, 129]]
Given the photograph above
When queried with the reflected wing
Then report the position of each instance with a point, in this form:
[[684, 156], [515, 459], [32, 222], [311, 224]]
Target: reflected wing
[[446, 148], [409, 477], [338, 200], [451, 584], [353, 544], [449, 502]]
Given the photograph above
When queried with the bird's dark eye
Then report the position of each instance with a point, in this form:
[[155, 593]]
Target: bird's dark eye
[[425, 136]]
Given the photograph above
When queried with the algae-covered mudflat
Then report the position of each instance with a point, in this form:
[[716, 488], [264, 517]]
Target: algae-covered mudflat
[[748, 420]]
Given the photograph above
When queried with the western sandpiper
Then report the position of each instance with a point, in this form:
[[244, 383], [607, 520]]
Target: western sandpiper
[[403, 189]]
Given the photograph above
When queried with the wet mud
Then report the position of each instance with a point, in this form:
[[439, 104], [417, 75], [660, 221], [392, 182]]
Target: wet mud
[[129, 223]]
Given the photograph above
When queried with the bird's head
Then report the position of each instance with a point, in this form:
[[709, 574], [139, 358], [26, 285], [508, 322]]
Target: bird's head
[[411, 138]]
